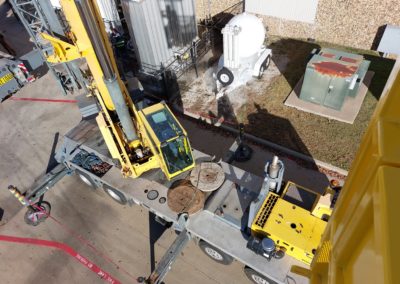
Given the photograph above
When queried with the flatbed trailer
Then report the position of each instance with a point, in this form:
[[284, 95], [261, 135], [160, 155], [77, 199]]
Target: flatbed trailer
[[219, 228]]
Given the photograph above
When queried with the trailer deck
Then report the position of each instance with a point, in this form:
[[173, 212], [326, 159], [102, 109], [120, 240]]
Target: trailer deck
[[223, 221]]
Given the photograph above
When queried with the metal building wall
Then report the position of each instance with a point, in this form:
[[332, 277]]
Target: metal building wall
[[160, 28], [109, 13], [294, 10]]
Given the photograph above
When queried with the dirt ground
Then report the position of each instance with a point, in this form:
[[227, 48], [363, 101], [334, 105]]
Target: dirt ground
[[259, 104]]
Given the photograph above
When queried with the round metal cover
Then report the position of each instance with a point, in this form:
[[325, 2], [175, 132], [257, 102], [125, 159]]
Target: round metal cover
[[207, 176], [152, 194], [184, 197]]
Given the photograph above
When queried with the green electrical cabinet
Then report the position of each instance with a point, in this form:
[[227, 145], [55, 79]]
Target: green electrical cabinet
[[331, 75]]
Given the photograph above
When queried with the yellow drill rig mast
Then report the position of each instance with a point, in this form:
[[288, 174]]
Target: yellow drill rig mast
[[141, 140]]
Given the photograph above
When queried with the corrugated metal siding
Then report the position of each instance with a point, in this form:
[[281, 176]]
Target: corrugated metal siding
[[160, 27], [109, 13], [295, 10]]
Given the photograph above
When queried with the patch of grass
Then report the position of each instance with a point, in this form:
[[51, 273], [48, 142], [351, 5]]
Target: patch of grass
[[324, 139]]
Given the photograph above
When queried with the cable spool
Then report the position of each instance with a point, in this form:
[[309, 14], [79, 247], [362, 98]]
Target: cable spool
[[207, 176], [183, 197]]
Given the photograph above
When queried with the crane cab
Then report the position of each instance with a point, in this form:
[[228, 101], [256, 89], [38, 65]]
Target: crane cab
[[169, 139]]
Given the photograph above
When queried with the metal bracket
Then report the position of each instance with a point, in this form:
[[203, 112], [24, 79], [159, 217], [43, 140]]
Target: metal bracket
[[265, 188], [46, 182], [63, 51], [164, 265]]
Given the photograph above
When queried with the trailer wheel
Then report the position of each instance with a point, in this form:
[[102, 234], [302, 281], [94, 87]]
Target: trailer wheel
[[256, 277], [86, 179], [267, 61], [34, 216], [225, 76], [264, 66], [116, 195], [215, 254]]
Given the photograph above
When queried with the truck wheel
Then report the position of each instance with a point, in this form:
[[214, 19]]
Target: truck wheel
[[86, 179], [225, 76], [116, 195], [256, 277], [215, 254]]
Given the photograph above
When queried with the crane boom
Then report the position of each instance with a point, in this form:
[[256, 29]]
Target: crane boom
[[141, 140]]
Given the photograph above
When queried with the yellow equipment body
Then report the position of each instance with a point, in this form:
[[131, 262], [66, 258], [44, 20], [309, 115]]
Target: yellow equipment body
[[361, 241], [290, 222], [148, 150]]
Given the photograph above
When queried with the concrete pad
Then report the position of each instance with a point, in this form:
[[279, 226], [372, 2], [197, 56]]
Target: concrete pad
[[350, 108]]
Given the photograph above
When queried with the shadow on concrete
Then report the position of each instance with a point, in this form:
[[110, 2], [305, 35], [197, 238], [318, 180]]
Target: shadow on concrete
[[378, 36], [52, 163], [156, 230]]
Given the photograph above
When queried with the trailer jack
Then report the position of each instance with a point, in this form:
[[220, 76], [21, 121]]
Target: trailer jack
[[38, 209]]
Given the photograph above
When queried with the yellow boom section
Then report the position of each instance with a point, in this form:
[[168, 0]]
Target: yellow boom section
[[82, 47], [361, 243], [128, 135]]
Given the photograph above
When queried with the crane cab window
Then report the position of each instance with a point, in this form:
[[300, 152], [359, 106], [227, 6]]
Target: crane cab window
[[164, 125], [177, 154], [174, 146]]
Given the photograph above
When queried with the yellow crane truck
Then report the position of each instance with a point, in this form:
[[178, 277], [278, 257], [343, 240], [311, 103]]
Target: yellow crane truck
[[290, 233]]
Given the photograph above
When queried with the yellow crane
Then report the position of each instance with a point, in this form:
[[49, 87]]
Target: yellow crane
[[141, 139], [359, 243]]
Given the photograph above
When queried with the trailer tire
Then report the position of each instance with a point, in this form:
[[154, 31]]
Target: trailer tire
[[264, 66], [215, 254], [225, 76], [86, 179], [115, 195], [45, 206], [256, 277]]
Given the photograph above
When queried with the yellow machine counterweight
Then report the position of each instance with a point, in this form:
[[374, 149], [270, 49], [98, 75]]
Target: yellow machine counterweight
[[141, 140], [295, 225]]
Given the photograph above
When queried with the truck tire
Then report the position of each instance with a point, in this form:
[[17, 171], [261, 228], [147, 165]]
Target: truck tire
[[256, 277], [215, 254], [225, 76], [86, 179], [116, 195]]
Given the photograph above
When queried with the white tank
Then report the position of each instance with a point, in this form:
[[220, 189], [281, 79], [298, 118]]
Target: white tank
[[251, 36]]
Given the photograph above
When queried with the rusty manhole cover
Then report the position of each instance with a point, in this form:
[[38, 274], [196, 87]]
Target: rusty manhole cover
[[184, 197], [207, 176]]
